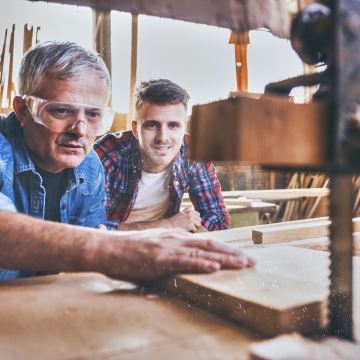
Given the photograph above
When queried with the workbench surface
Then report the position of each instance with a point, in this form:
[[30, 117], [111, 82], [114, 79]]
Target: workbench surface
[[89, 316]]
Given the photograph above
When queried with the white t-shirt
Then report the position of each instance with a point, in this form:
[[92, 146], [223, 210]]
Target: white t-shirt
[[153, 197]]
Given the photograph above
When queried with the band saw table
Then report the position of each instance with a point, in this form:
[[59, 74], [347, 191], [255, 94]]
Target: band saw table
[[89, 316]]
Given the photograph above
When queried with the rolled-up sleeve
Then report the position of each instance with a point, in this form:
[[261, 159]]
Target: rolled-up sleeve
[[205, 194]]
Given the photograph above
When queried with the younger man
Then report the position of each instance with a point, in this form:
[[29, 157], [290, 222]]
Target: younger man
[[147, 170]]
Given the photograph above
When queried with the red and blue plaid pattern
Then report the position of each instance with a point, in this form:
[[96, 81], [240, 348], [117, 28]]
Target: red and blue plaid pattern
[[120, 156]]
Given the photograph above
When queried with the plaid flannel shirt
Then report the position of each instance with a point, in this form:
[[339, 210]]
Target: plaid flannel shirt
[[120, 156]]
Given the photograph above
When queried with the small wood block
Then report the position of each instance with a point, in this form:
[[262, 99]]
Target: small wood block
[[296, 347], [284, 347], [291, 232], [285, 291]]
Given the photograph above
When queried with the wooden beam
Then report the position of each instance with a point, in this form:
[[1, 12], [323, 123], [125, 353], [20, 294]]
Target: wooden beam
[[284, 194], [245, 233], [133, 69], [293, 232], [102, 37], [237, 15], [285, 128]]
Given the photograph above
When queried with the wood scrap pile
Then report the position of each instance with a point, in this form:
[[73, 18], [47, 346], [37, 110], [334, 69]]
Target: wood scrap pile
[[303, 208], [7, 87]]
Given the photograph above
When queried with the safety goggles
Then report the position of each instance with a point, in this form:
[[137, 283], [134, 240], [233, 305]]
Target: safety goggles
[[62, 116]]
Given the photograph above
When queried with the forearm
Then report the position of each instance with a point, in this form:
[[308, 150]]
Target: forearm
[[144, 225], [27, 243]]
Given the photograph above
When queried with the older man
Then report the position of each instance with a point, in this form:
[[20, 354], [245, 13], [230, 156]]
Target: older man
[[50, 179], [148, 170]]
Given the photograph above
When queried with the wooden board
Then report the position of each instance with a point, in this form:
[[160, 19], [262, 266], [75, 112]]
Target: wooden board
[[284, 194], [291, 232], [285, 128], [237, 15], [245, 233], [284, 292]]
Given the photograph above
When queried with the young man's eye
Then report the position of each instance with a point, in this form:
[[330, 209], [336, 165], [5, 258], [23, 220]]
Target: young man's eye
[[150, 126]]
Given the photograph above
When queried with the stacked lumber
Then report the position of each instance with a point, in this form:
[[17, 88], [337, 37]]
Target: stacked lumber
[[7, 86], [290, 210], [308, 234]]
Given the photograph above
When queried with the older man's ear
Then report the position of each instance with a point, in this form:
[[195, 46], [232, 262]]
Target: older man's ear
[[20, 110]]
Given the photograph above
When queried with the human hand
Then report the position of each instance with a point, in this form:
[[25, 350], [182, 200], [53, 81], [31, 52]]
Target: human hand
[[188, 219], [150, 254], [101, 227]]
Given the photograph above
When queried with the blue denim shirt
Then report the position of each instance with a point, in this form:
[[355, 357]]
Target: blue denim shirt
[[80, 205]]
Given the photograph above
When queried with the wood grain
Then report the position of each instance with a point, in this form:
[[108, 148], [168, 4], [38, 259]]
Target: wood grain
[[291, 232], [237, 15], [245, 233], [284, 194], [91, 317], [284, 292], [296, 347], [230, 130]]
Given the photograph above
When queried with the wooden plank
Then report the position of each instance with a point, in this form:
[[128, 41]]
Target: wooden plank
[[245, 233], [225, 194], [293, 232], [237, 137], [284, 194], [237, 15], [285, 292]]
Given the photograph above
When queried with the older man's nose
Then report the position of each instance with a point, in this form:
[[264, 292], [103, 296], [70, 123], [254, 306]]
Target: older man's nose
[[79, 128]]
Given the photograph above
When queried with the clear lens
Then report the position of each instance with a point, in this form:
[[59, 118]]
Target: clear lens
[[60, 116]]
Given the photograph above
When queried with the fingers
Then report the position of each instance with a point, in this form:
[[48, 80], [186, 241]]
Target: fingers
[[238, 261], [101, 227], [206, 262], [193, 219], [225, 255], [192, 265]]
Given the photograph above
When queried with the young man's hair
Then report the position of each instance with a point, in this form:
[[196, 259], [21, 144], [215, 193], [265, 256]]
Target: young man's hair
[[63, 60], [160, 92]]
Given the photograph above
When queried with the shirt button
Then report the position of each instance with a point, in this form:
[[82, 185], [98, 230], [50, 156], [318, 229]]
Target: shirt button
[[63, 207]]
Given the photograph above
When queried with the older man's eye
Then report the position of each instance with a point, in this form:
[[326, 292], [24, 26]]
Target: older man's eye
[[59, 112], [174, 125], [93, 115]]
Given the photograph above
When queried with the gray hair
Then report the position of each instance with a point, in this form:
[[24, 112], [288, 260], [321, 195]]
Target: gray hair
[[63, 60]]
